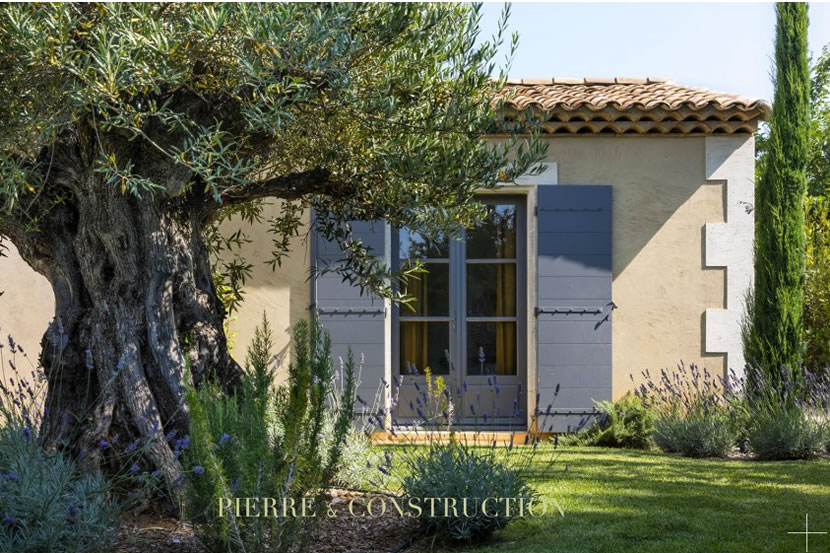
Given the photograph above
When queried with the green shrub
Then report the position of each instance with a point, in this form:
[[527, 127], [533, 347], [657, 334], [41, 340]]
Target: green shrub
[[264, 443], [709, 434], [697, 414], [787, 434], [456, 471], [625, 423], [430, 460], [357, 449], [787, 417], [46, 504], [817, 283]]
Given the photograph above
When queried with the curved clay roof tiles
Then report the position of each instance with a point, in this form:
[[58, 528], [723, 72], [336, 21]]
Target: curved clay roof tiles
[[625, 105], [621, 93]]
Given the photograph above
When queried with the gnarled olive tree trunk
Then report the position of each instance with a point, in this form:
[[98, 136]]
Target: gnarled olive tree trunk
[[137, 316]]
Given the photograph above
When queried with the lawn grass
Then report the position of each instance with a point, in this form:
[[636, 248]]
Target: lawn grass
[[618, 501]]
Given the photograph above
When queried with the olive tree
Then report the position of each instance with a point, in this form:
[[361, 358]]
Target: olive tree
[[129, 131]]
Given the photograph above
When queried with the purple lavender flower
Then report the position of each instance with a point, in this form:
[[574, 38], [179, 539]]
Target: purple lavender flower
[[198, 469], [224, 439], [130, 448], [481, 357], [170, 435], [8, 519], [103, 444], [134, 469], [27, 433]]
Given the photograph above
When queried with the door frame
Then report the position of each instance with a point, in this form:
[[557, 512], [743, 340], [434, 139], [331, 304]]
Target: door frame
[[457, 313]]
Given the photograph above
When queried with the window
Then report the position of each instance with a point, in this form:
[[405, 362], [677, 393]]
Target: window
[[468, 305], [491, 302], [425, 323]]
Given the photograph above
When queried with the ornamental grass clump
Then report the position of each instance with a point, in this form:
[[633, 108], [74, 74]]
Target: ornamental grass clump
[[265, 442], [697, 414], [790, 418]]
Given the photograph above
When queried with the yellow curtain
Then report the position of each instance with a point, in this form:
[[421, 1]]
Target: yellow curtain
[[414, 334], [506, 300]]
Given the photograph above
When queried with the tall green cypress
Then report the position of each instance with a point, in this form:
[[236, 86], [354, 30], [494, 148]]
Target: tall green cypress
[[775, 335]]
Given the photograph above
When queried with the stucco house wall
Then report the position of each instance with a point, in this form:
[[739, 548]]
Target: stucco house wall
[[662, 283], [680, 165]]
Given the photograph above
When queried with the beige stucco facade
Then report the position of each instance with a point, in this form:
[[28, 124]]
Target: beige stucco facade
[[661, 284], [283, 294], [665, 193]]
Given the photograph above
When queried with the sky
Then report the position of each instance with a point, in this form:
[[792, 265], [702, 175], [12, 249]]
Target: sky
[[726, 47]]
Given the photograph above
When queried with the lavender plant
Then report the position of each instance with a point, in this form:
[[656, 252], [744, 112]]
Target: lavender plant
[[697, 414], [429, 458], [791, 418], [47, 502]]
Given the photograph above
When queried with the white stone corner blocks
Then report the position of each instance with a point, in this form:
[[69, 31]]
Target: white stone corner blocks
[[731, 160]]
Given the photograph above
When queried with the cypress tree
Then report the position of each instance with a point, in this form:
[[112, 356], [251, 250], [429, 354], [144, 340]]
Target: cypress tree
[[775, 335]]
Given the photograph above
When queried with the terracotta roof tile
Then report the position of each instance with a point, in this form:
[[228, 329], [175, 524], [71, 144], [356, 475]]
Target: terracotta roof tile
[[627, 105], [621, 93]]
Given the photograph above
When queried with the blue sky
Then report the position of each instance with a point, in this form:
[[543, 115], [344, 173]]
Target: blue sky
[[723, 46]]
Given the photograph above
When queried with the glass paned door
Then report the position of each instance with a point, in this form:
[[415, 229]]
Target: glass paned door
[[491, 285], [424, 324], [465, 322]]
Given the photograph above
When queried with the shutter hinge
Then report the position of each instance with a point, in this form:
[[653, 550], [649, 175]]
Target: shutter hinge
[[350, 311], [567, 311]]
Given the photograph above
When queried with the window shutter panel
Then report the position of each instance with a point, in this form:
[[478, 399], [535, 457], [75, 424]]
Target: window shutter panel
[[352, 319], [573, 302]]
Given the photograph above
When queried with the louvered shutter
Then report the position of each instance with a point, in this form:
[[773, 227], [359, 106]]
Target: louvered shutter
[[573, 301]]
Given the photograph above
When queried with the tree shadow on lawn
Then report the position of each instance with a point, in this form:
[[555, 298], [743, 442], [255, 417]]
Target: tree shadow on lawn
[[634, 501]]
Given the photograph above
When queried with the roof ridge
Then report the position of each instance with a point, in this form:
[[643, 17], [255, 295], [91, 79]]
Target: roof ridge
[[591, 80]]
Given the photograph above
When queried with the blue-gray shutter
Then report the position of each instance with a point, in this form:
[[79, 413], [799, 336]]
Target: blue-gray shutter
[[352, 319], [573, 302]]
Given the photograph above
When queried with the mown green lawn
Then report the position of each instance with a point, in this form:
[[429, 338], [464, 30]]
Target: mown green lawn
[[618, 501]]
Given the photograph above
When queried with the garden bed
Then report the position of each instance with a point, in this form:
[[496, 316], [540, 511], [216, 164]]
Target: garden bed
[[613, 500], [339, 534]]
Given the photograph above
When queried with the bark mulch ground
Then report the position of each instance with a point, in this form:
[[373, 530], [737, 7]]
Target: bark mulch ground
[[344, 533]]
